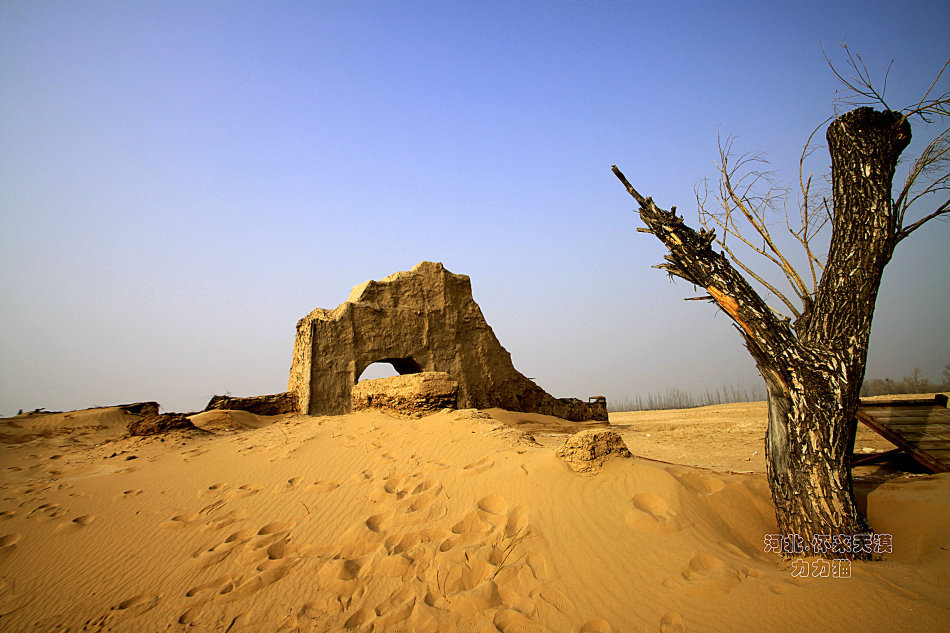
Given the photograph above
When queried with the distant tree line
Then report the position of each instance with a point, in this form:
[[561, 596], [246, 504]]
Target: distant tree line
[[915, 383], [676, 398]]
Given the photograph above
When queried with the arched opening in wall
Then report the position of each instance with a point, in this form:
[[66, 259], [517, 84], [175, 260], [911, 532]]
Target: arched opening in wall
[[386, 367]]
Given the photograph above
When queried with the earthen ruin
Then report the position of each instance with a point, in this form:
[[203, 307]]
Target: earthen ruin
[[410, 394], [423, 320], [587, 452]]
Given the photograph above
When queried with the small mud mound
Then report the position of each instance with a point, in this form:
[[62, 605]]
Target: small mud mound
[[587, 451]]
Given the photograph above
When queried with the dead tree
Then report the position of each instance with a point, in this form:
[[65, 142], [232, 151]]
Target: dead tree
[[812, 361]]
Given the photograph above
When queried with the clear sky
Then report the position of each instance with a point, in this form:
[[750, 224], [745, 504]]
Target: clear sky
[[180, 182]]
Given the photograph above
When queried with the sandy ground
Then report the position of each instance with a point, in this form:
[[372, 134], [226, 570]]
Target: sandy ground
[[457, 521]]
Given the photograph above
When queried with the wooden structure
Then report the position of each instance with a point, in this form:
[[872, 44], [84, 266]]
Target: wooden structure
[[601, 400], [920, 428]]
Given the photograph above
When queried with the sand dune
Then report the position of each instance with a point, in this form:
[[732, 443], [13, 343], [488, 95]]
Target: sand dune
[[459, 521]]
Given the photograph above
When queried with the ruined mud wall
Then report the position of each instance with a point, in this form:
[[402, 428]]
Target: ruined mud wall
[[419, 320]]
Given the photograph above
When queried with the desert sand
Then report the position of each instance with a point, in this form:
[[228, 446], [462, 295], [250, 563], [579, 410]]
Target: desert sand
[[457, 521]]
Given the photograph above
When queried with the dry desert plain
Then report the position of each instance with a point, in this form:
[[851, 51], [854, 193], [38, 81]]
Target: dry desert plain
[[457, 521]]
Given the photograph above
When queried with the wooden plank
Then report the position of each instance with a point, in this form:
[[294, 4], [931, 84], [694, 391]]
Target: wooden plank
[[938, 400], [919, 414], [910, 411], [935, 429], [915, 419], [913, 431], [925, 442], [919, 427], [910, 432], [934, 425], [931, 429], [871, 458], [931, 445]]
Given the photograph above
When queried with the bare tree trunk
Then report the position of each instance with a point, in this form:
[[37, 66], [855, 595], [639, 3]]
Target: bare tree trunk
[[813, 369], [808, 451], [864, 146], [812, 409]]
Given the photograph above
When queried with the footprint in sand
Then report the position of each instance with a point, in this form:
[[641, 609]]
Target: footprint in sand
[[515, 622], [276, 527], [218, 486], [702, 566], [651, 503], [228, 519], [401, 543], [249, 489], [360, 618], [397, 606], [136, 605], [651, 514], [478, 467], [49, 511], [597, 625], [210, 508], [493, 504], [558, 600], [9, 540], [394, 486], [181, 520], [33, 489], [394, 566], [315, 612], [227, 587], [380, 522], [423, 486], [218, 553], [241, 535], [322, 486], [188, 617], [702, 484], [76, 524], [277, 550], [471, 524], [194, 591], [672, 622], [423, 501], [293, 482], [344, 569]]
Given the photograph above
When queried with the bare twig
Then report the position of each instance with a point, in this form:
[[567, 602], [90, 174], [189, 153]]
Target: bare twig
[[860, 84], [812, 220], [941, 210], [933, 164], [749, 194], [934, 160], [939, 106], [515, 540]]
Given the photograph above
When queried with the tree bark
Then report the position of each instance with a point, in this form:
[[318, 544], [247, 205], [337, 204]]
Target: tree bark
[[813, 369], [864, 145]]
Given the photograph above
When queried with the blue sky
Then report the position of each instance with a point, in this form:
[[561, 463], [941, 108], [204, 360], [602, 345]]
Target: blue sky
[[181, 181]]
